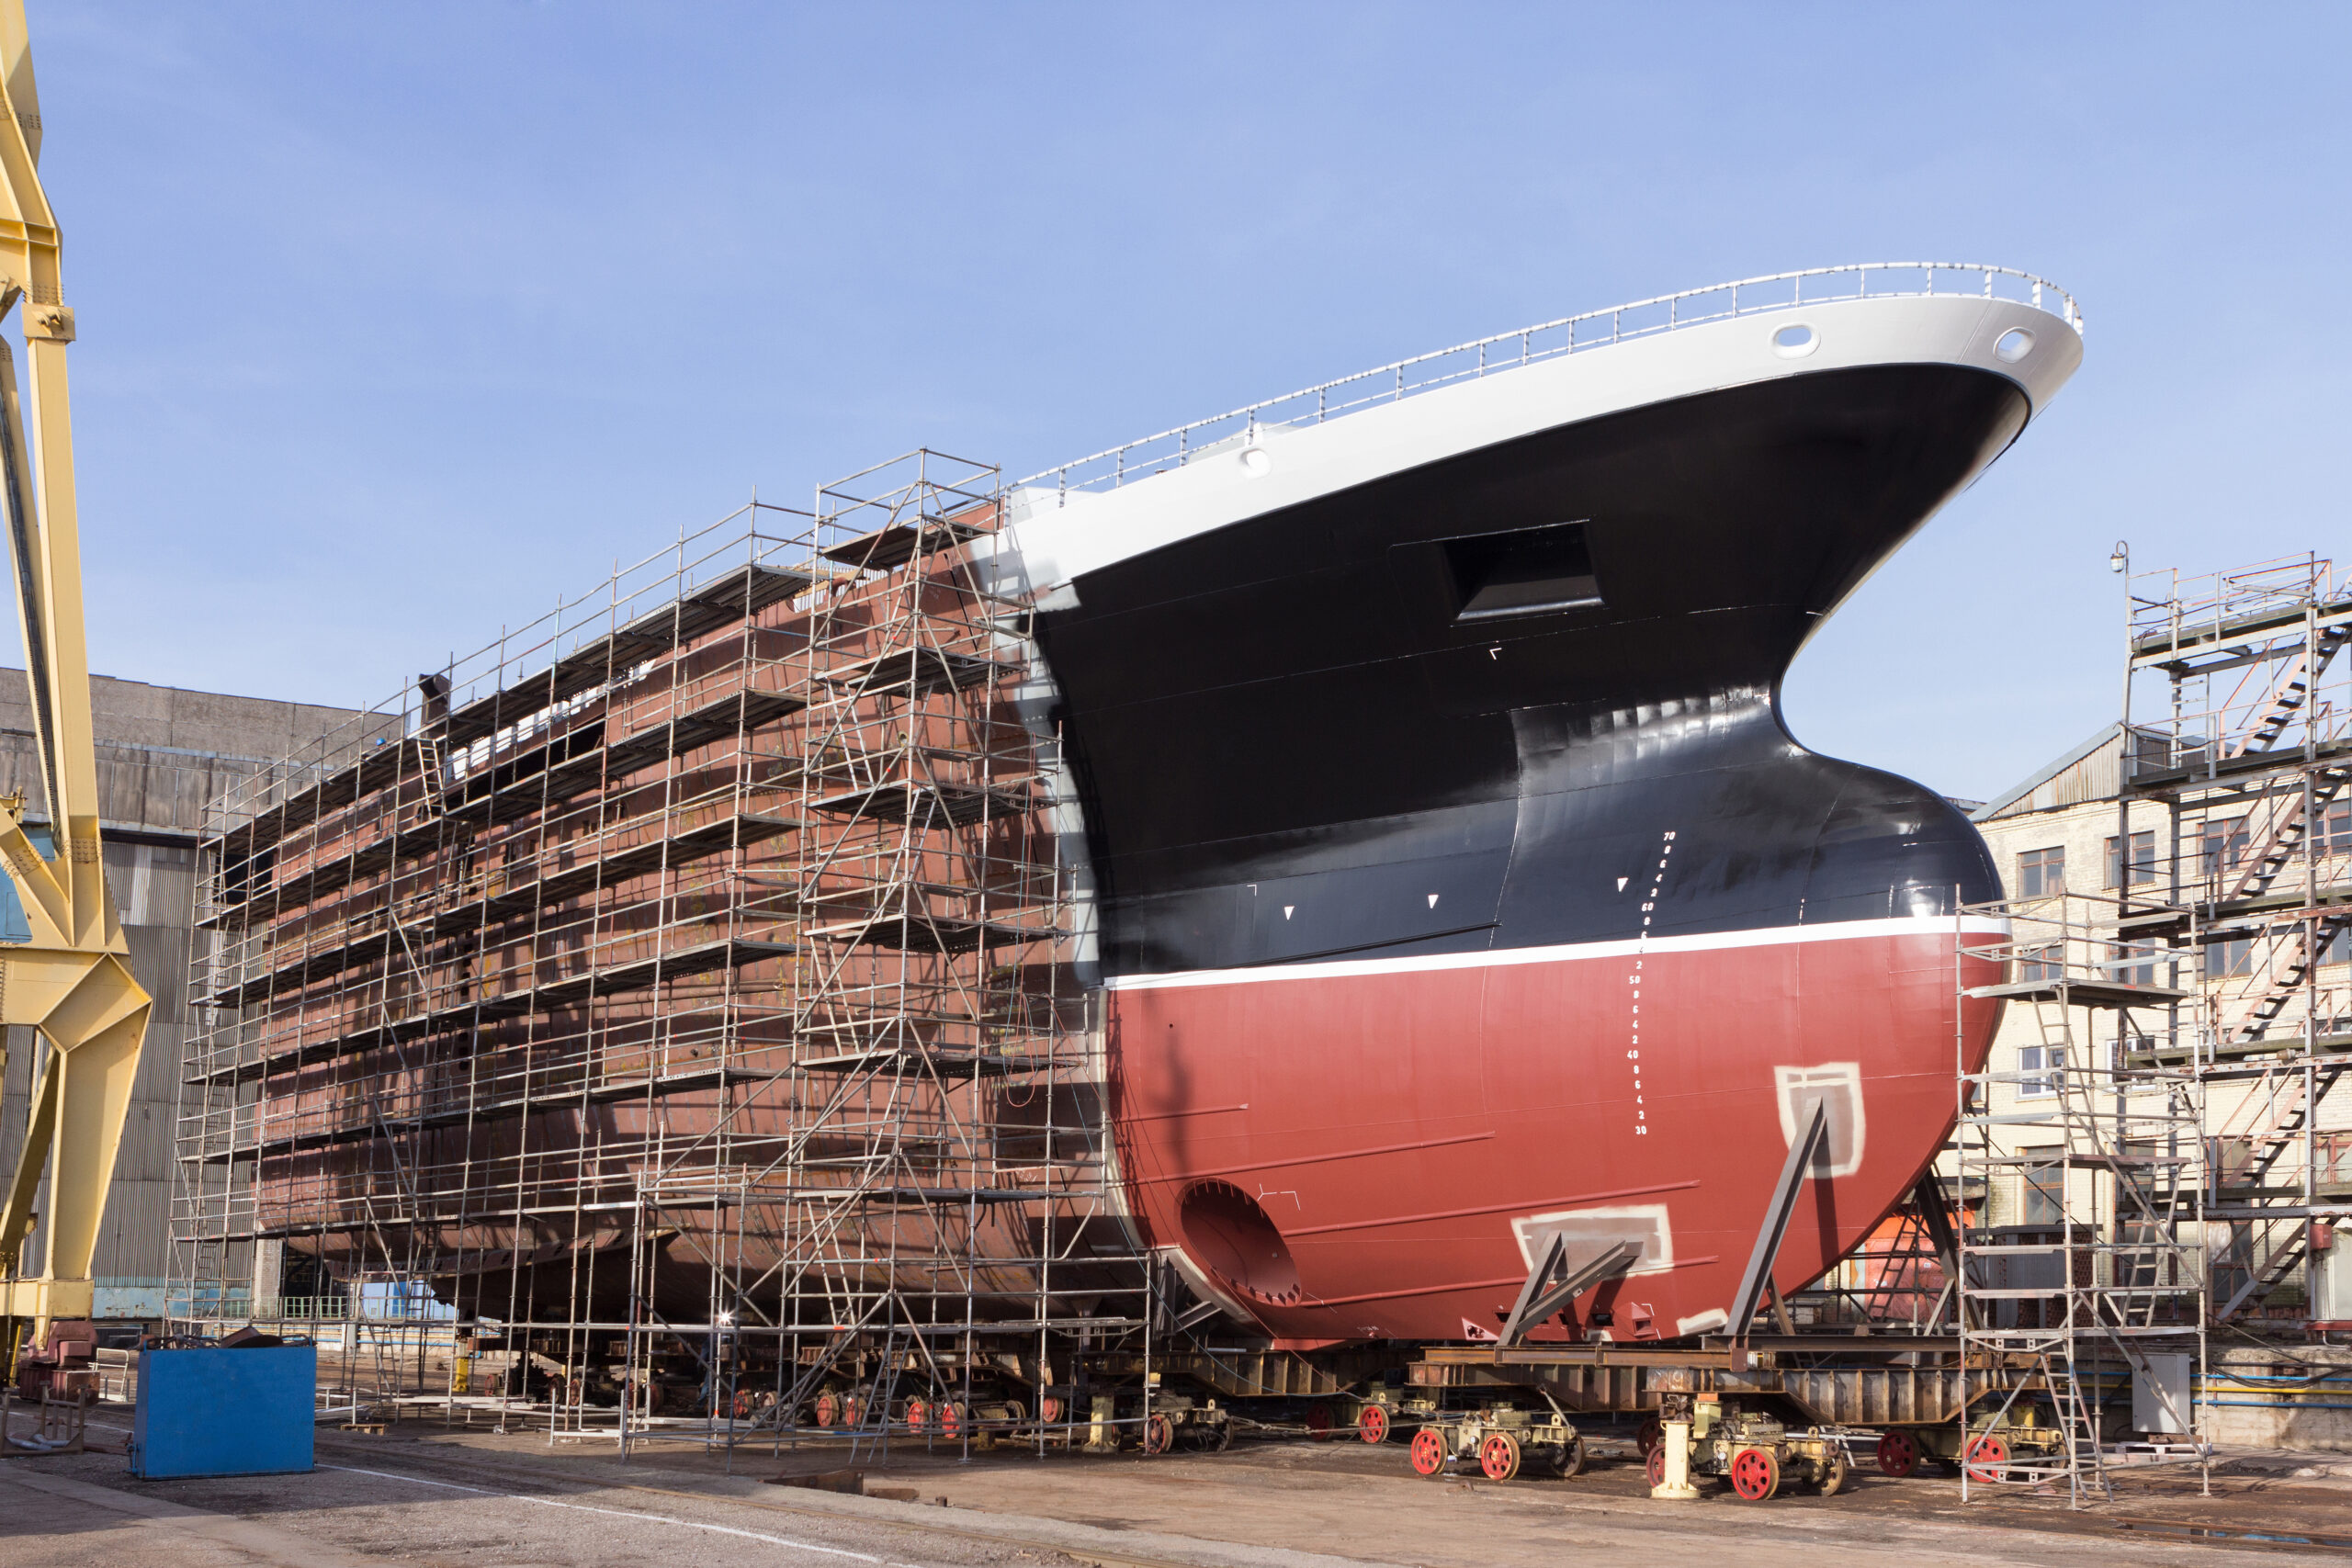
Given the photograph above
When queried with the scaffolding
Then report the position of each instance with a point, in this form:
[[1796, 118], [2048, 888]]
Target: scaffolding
[[2082, 1272], [2238, 726], [2156, 1158], [672, 1009]]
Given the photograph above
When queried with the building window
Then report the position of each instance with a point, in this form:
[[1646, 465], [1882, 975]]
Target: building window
[[2046, 963], [2338, 947], [2040, 1069], [2144, 860], [2045, 1187], [2041, 873], [2131, 966], [2335, 829], [2235, 956], [2223, 845]]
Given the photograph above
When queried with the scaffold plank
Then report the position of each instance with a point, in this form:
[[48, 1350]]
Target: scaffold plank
[[559, 770], [926, 805], [635, 975], [745, 591], [921, 671]]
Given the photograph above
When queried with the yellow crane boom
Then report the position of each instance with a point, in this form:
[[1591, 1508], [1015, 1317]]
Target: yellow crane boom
[[72, 981]]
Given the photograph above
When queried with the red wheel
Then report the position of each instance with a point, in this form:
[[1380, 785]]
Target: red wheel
[[829, 1408], [1898, 1454], [852, 1410], [951, 1420], [1050, 1409], [918, 1414], [745, 1403], [1318, 1421], [1373, 1425], [1988, 1459], [1158, 1434], [1499, 1456], [1429, 1452], [1755, 1474], [1652, 1436], [1656, 1466]]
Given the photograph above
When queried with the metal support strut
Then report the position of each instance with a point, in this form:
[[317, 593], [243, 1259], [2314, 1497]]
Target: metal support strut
[[1538, 1300], [1802, 1152]]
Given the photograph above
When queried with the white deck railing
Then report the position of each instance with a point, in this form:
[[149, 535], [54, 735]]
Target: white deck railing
[[1594, 328]]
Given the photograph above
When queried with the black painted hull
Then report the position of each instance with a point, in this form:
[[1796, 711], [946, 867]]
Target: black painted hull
[[1290, 747]]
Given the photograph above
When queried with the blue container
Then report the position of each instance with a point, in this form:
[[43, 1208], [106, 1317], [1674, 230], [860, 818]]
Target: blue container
[[224, 1412]]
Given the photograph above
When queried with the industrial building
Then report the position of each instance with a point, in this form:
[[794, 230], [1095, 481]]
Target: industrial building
[[2198, 854], [164, 755]]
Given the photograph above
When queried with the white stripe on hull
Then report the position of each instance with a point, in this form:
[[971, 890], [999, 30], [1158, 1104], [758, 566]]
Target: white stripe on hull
[[1768, 936]]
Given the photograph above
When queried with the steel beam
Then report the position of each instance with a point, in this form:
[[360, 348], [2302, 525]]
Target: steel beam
[[1776, 1219]]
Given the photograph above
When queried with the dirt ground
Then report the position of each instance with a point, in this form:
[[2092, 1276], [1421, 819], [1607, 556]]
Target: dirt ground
[[424, 1493]]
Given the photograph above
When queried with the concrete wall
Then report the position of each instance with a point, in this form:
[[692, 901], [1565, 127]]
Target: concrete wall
[[2293, 1397], [162, 754]]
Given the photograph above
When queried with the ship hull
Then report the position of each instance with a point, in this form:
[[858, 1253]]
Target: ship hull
[[1401, 1137], [1395, 797]]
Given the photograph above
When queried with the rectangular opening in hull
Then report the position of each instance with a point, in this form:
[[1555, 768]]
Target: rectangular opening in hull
[[1525, 572]]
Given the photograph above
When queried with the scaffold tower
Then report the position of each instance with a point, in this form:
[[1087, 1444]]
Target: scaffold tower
[[2081, 1266], [2239, 717]]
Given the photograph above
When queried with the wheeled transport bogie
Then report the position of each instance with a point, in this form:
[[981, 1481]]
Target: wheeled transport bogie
[[1755, 1453], [1902, 1450], [1177, 1421], [1497, 1443], [1384, 1415]]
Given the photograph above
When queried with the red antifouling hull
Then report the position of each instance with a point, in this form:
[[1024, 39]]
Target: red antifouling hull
[[1376, 1150]]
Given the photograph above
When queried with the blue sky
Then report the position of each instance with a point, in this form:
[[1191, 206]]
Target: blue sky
[[397, 321]]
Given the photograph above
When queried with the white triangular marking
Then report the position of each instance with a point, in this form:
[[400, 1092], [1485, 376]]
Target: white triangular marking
[[1287, 909], [1621, 883], [1432, 900]]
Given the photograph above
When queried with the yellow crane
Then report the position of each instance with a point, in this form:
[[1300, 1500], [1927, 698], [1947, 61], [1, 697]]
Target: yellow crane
[[72, 981]]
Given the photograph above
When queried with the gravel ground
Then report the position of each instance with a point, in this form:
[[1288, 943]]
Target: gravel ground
[[425, 1494]]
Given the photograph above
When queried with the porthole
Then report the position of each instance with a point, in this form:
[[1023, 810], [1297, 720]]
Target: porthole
[[2013, 346], [1795, 341]]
